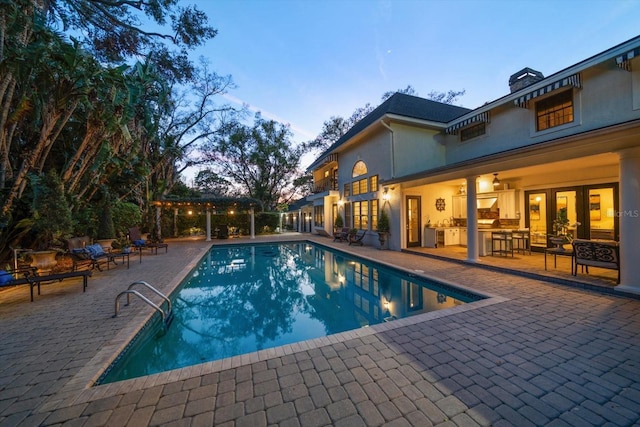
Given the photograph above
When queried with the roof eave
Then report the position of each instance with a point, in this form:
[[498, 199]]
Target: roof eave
[[576, 68]]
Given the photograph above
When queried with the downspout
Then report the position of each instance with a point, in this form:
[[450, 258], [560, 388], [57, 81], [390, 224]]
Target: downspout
[[393, 161]]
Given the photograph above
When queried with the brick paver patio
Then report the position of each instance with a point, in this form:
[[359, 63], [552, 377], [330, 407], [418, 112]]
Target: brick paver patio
[[534, 354]]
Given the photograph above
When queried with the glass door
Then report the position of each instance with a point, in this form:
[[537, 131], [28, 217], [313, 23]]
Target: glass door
[[565, 220], [602, 208], [414, 235], [537, 219]]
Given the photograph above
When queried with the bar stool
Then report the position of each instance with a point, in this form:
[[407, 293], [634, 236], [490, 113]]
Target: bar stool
[[504, 240], [522, 241]]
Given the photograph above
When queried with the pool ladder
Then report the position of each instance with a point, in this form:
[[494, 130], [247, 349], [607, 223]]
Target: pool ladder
[[167, 316]]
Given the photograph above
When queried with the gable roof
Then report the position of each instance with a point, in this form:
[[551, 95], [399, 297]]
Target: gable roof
[[404, 105]]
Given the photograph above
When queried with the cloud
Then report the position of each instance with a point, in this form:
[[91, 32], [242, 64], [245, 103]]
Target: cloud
[[297, 130]]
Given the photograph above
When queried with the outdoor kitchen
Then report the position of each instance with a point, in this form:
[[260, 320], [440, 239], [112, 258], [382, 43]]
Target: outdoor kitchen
[[497, 211]]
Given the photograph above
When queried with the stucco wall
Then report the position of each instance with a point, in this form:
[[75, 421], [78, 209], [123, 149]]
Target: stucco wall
[[416, 150], [605, 99]]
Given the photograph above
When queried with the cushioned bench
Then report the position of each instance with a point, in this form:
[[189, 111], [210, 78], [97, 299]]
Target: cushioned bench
[[596, 253]]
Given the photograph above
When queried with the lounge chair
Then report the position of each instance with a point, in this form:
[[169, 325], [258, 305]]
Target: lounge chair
[[139, 243], [356, 239], [29, 276], [341, 235], [86, 255]]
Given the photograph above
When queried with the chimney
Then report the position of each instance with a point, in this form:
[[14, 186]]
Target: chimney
[[523, 78]]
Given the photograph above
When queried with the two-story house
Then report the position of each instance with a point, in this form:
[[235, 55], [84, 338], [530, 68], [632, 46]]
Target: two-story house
[[561, 147]]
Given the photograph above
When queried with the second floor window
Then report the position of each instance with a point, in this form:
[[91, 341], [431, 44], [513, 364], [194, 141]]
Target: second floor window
[[360, 186], [472, 131], [554, 111]]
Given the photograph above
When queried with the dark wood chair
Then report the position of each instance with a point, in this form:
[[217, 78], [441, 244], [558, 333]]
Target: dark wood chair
[[356, 239], [223, 232], [139, 243], [341, 235]]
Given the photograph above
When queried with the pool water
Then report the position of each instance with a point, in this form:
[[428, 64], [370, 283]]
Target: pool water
[[242, 299]]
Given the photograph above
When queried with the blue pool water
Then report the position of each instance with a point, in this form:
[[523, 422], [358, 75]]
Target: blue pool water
[[242, 299]]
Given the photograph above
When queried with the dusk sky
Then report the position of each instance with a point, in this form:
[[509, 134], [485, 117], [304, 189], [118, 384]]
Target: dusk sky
[[301, 62]]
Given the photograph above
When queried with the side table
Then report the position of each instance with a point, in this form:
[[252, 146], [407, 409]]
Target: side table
[[555, 252], [123, 255]]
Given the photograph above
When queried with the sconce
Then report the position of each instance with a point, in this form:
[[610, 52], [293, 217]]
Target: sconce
[[496, 181], [385, 194], [340, 202]]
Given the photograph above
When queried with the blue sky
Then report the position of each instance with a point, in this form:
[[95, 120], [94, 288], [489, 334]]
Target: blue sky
[[301, 62]]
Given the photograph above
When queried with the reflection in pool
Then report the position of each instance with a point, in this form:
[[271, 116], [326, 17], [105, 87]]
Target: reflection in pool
[[242, 299]]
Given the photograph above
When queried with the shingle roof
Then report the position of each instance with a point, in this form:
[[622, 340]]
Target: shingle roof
[[402, 105]]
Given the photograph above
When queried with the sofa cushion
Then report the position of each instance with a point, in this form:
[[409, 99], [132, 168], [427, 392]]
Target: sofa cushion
[[5, 277], [95, 250]]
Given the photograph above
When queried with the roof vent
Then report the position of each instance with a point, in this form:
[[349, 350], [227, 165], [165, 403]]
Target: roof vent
[[523, 78]]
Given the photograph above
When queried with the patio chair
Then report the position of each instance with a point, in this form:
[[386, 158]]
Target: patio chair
[[29, 276], [91, 256], [356, 239], [341, 235], [139, 243], [223, 232]]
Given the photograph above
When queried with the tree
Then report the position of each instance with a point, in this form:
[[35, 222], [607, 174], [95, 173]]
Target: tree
[[260, 160], [209, 182], [114, 29]]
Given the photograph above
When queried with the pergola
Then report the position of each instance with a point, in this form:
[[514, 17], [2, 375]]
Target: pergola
[[211, 205]]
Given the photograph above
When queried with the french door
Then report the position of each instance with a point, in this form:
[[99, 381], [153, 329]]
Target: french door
[[589, 212], [414, 234]]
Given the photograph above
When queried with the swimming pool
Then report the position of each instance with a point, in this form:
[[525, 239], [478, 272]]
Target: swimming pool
[[244, 298]]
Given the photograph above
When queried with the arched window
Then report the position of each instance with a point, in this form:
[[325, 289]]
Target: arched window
[[360, 168]]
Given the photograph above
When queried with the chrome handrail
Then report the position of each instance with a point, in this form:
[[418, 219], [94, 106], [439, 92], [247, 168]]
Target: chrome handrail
[[157, 292], [142, 297]]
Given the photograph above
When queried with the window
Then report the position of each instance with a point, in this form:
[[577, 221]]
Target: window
[[554, 111], [347, 190], [347, 215], [374, 214], [360, 186], [361, 215], [472, 131], [318, 215], [373, 182], [360, 168]]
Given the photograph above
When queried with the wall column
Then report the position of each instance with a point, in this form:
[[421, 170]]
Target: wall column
[[158, 222], [208, 225], [175, 222], [472, 220], [629, 216], [253, 223]]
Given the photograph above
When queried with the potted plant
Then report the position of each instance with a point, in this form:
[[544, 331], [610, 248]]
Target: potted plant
[[383, 227], [339, 223], [122, 243], [561, 235]]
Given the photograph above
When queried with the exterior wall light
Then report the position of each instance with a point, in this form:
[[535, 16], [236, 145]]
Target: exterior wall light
[[385, 194]]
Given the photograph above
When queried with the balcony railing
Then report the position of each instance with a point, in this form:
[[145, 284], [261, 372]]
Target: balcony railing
[[325, 184]]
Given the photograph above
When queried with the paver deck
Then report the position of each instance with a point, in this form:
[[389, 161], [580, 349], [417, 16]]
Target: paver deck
[[537, 353]]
